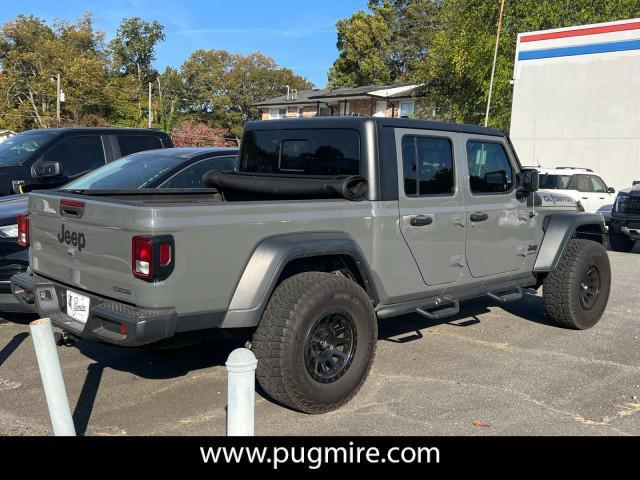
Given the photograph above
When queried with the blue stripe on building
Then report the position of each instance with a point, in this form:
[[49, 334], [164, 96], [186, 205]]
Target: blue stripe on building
[[580, 50]]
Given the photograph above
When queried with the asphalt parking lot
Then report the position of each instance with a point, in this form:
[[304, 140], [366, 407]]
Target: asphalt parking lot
[[488, 371]]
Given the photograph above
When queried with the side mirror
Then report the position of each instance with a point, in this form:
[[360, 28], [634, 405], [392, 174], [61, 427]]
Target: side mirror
[[529, 180], [635, 182], [46, 169], [611, 190]]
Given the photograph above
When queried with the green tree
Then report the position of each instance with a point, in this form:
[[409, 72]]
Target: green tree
[[413, 24], [458, 68], [364, 44], [384, 44], [123, 97], [84, 69], [133, 50], [32, 54], [170, 92], [219, 88]]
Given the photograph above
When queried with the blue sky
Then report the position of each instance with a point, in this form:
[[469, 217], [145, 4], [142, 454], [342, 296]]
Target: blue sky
[[298, 34]]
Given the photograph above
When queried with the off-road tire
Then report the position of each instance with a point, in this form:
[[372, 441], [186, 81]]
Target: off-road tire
[[563, 287], [280, 341], [620, 242]]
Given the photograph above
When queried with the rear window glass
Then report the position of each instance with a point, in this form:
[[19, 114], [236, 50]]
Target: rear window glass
[[303, 152], [137, 143], [127, 173]]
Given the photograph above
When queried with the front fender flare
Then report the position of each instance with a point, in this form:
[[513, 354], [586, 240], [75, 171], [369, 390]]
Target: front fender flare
[[559, 229], [265, 265]]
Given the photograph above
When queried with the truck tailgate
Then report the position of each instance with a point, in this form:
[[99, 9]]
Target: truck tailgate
[[82, 242]]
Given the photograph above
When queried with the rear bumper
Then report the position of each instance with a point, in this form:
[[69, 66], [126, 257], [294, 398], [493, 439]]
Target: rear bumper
[[109, 321], [12, 261]]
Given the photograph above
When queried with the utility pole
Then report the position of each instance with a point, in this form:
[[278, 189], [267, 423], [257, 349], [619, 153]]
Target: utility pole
[[493, 68], [58, 100], [150, 116]]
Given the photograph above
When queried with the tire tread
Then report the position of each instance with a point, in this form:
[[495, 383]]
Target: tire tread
[[559, 284], [277, 329]]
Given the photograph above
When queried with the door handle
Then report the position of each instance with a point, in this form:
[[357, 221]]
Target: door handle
[[420, 221], [479, 217]]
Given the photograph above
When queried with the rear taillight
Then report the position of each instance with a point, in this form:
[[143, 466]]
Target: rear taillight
[[142, 257], [165, 254], [23, 229], [152, 258]]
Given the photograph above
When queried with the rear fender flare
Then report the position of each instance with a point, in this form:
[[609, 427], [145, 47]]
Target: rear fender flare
[[269, 259]]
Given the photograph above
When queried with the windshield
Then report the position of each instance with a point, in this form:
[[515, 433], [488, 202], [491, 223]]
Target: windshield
[[558, 182], [139, 170], [16, 149]]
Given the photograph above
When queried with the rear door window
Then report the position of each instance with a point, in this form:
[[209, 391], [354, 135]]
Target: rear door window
[[137, 143], [77, 155], [302, 152], [581, 183], [428, 166]]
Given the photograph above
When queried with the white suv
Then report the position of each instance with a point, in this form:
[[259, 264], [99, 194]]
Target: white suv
[[582, 185]]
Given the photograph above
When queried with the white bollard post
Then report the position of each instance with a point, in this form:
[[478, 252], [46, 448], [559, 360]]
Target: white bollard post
[[241, 368], [52, 379]]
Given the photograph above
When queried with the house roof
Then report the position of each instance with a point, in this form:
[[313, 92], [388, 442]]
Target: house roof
[[320, 95]]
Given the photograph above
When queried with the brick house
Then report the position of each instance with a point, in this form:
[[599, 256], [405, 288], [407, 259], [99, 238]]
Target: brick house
[[398, 100]]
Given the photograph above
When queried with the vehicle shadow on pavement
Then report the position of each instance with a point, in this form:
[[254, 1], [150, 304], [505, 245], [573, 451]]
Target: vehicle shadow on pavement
[[19, 318], [408, 328], [148, 364], [161, 364], [12, 346]]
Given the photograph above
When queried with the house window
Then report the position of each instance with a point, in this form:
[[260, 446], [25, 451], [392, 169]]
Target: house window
[[406, 109], [301, 111], [275, 113], [325, 111], [344, 108]]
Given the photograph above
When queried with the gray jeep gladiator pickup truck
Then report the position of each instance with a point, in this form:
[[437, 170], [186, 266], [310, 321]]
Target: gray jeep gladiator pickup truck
[[329, 225]]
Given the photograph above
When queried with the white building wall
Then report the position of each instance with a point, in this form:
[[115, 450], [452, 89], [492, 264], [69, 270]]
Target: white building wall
[[577, 101]]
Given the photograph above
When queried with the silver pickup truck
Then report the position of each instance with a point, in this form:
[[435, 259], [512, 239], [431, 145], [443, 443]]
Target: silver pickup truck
[[329, 225]]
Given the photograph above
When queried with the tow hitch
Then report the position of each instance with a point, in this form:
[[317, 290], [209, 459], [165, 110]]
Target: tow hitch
[[66, 339]]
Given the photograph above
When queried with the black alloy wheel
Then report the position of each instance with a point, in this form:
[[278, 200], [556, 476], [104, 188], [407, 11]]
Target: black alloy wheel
[[590, 287], [330, 347]]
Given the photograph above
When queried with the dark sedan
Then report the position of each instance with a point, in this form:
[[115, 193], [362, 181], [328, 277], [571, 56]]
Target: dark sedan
[[167, 168]]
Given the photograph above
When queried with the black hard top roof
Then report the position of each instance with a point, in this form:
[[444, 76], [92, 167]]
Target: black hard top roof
[[357, 122]]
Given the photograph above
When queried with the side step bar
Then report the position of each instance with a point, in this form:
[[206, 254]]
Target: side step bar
[[507, 296], [441, 308], [448, 307], [436, 302]]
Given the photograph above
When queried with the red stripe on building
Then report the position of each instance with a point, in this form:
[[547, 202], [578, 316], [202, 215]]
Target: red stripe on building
[[580, 32]]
